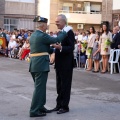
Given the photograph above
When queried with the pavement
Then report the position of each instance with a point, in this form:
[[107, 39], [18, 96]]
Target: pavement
[[94, 96]]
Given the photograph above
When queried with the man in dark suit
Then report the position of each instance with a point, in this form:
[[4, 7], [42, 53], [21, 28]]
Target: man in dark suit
[[118, 29], [64, 63], [115, 42], [39, 64], [116, 38]]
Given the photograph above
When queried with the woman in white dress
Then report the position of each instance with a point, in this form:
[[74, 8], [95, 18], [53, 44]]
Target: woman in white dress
[[105, 49], [91, 39]]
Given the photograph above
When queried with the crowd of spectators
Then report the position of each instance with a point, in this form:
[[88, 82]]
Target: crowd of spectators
[[89, 45], [17, 43], [94, 46]]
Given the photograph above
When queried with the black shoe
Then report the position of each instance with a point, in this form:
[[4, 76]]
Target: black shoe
[[104, 72], [95, 71], [56, 109], [45, 110], [41, 114], [61, 111]]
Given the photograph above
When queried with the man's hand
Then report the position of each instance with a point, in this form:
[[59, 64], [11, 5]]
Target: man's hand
[[57, 46], [67, 28]]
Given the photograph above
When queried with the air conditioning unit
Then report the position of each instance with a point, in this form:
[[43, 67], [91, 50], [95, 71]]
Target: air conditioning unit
[[80, 26]]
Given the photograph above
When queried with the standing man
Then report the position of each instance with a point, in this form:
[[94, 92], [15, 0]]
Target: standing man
[[39, 64], [116, 38], [64, 63], [115, 43]]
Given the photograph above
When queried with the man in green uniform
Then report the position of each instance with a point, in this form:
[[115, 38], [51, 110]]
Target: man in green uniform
[[39, 64]]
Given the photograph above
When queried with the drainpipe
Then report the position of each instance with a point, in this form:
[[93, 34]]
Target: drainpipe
[[106, 10]]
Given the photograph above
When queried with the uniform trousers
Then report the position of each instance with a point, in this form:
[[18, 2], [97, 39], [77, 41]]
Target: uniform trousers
[[63, 85], [39, 94]]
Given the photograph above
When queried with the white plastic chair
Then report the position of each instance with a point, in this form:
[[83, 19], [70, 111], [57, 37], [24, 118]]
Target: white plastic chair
[[75, 57], [86, 64], [76, 61], [11, 53], [112, 61]]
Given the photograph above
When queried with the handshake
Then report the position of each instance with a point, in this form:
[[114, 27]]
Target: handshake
[[67, 29]]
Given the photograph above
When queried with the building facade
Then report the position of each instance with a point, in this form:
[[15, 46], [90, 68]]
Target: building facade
[[17, 14], [81, 14], [116, 13], [2, 12], [111, 12]]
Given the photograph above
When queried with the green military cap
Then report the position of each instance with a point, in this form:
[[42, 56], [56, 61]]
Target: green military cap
[[40, 19]]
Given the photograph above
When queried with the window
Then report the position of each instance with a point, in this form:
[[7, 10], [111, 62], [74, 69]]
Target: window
[[95, 8], [10, 24], [67, 7], [27, 1], [26, 23]]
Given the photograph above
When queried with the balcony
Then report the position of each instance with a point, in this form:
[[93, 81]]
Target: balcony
[[82, 17], [100, 1]]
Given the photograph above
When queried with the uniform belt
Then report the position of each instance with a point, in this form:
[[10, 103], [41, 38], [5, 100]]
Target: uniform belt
[[38, 54]]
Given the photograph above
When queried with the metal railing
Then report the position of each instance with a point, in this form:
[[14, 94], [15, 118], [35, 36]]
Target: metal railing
[[79, 12]]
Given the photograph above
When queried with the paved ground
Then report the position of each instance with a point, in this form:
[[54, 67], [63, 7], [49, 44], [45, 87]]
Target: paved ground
[[93, 97]]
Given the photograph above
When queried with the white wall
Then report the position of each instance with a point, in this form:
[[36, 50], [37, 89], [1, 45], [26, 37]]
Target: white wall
[[27, 1], [116, 4], [44, 9]]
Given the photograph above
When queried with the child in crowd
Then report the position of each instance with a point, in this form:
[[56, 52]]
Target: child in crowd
[[96, 54]]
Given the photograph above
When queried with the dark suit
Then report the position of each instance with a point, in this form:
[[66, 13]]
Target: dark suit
[[64, 63], [114, 45], [116, 41], [39, 67]]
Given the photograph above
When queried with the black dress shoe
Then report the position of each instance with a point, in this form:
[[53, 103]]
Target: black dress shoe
[[41, 114], [55, 109], [61, 111], [45, 110]]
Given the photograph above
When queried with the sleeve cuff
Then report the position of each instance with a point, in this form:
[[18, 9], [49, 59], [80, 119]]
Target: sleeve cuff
[[61, 49]]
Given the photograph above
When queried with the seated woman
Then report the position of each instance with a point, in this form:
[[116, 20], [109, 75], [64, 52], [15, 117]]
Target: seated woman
[[11, 46], [25, 50]]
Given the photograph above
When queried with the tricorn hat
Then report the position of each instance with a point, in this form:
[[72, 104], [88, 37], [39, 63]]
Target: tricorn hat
[[40, 19]]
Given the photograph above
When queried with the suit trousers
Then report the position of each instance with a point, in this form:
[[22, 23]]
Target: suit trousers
[[39, 94], [63, 85]]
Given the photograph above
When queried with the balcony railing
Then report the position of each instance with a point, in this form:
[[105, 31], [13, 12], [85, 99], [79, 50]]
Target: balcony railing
[[79, 12], [82, 17]]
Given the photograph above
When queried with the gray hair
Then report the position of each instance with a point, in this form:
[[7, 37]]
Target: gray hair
[[63, 17], [39, 24]]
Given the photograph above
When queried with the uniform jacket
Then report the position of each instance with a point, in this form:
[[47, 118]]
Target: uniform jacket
[[40, 42], [64, 59]]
